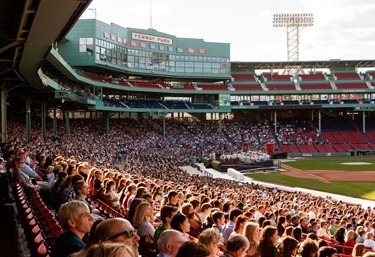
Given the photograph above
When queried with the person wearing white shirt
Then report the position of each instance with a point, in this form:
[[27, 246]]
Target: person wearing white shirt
[[311, 213], [323, 231], [369, 242], [260, 212]]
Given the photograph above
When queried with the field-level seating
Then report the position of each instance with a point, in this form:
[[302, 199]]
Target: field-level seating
[[371, 135], [354, 137], [326, 148], [307, 149], [289, 149], [333, 137], [341, 147]]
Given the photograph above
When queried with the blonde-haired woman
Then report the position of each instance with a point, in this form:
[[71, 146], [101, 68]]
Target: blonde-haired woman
[[359, 250], [143, 219], [349, 239], [252, 233], [109, 250], [212, 239]]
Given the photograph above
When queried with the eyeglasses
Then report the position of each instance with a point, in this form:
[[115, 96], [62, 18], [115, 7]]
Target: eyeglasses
[[128, 233]]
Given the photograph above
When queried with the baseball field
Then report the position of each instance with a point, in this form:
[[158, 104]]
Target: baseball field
[[350, 176]]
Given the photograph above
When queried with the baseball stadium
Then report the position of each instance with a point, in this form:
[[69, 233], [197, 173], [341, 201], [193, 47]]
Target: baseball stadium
[[107, 130]]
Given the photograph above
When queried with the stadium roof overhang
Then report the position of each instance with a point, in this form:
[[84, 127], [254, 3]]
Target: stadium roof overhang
[[303, 64], [28, 29]]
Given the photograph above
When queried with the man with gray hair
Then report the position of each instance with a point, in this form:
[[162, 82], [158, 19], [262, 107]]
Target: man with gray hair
[[237, 246], [169, 242]]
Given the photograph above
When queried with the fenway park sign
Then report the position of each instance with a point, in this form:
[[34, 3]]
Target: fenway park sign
[[151, 38]]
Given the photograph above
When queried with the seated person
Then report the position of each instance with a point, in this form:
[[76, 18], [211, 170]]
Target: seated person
[[191, 248], [169, 242], [117, 230], [166, 214], [327, 251], [76, 221], [237, 246]]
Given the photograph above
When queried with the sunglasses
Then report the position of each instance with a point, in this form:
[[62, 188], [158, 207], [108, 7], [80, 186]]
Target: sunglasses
[[128, 233]]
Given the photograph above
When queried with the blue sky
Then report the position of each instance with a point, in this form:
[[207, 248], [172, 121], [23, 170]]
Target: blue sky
[[343, 29]]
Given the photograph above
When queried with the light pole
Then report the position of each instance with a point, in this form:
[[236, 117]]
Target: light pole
[[294, 23], [93, 10]]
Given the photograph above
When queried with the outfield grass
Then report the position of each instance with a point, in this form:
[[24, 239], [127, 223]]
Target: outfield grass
[[333, 163], [365, 190]]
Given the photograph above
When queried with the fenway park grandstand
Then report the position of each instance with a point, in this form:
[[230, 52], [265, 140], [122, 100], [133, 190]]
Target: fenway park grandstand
[[105, 70], [62, 76]]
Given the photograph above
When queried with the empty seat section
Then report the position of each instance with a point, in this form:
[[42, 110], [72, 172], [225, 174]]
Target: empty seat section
[[307, 149], [186, 87], [276, 77], [145, 84], [360, 147], [354, 137], [175, 105], [371, 135], [321, 149], [291, 102], [213, 86], [259, 103], [201, 106], [339, 147], [312, 77], [243, 77], [332, 137], [315, 86], [351, 85], [371, 75], [342, 147], [289, 149], [320, 101], [329, 148], [135, 104], [325, 148], [153, 104], [347, 76], [280, 87], [123, 82], [248, 87]]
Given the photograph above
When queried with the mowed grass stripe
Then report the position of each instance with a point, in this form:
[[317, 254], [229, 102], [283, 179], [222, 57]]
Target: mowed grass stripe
[[331, 163], [365, 190]]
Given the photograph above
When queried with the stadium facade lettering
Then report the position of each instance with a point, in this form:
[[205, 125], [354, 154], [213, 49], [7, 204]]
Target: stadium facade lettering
[[151, 38]]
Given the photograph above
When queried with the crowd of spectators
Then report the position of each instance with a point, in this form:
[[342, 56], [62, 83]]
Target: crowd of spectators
[[298, 132], [212, 217]]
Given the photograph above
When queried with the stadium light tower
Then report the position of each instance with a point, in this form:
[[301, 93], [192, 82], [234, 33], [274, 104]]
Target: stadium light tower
[[294, 23]]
